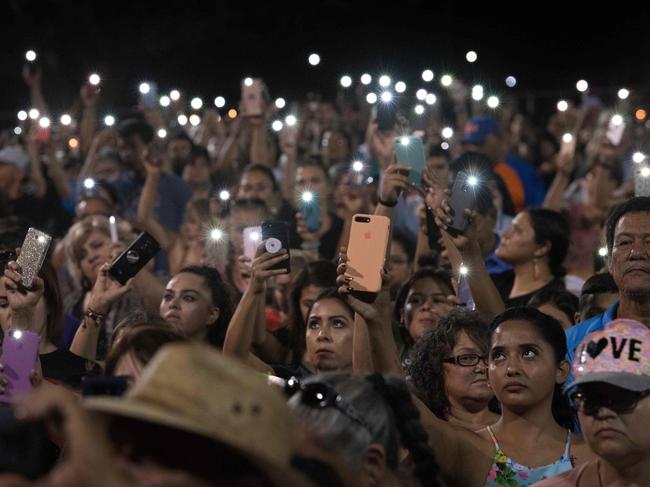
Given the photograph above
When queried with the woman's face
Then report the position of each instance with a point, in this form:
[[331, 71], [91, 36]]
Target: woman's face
[[467, 383], [329, 336], [187, 305], [399, 264], [426, 302], [518, 242], [307, 297], [523, 369], [94, 252]]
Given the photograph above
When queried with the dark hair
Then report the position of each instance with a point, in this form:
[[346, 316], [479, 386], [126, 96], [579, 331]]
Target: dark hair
[[595, 285], [439, 275], [221, 298], [386, 406], [563, 300], [321, 273], [551, 226], [436, 151], [135, 126], [552, 333], [199, 151], [332, 293], [405, 243], [633, 205], [315, 162], [181, 135], [425, 367], [86, 193], [143, 340], [264, 170], [53, 303]]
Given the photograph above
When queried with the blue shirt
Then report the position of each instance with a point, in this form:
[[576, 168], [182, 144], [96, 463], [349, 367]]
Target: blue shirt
[[534, 188], [493, 264]]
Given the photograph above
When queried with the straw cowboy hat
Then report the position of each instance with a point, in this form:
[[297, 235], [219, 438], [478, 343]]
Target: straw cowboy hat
[[194, 388]]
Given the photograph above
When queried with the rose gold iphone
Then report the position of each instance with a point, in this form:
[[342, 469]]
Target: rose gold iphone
[[369, 236]]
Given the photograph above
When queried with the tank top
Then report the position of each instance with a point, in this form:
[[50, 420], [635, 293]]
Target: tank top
[[506, 472]]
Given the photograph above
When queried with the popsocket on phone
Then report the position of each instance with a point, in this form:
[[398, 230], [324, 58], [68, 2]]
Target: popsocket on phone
[[273, 245]]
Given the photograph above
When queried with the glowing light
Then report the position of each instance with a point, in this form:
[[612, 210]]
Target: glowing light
[[290, 120], [371, 98], [34, 114], [562, 106], [195, 120], [427, 75], [511, 81], [617, 120], [18, 131], [446, 80], [400, 87], [144, 88], [357, 166], [567, 138], [645, 172], [602, 251], [314, 59], [280, 103], [44, 122], [447, 132], [471, 56], [638, 157], [175, 95], [640, 114], [444, 146], [254, 236], [89, 183], [19, 334], [277, 125], [582, 86], [248, 81], [421, 94], [224, 195], [65, 119], [307, 196], [477, 92], [162, 133], [73, 143], [219, 102], [216, 234], [30, 56], [22, 115], [346, 81], [196, 103], [232, 113], [430, 99], [463, 270], [384, 81], [386, 96], [366, 79], [493, 101], [165, 101], [94, 79], [109, 120], [623, 93], [419, 109], [472, 180], [182, 119]]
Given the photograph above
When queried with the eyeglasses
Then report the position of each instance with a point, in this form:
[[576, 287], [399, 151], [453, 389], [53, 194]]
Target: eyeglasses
[[318, 395], [467, 359], [589, 400]]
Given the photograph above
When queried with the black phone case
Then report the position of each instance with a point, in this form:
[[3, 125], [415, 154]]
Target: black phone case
[[278, 230], [462, 197], [134, 258], [433, 232]]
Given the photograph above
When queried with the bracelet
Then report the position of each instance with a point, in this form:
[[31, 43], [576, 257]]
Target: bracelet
[[98, 318], [386, 203], [310, 246]]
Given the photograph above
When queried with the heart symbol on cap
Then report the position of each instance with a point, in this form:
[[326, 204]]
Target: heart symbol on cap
[[594, 348]]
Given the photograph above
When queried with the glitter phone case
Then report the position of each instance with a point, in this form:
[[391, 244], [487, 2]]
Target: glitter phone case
[[32, 255]]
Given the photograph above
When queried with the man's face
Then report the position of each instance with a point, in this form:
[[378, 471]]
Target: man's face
[[255, 184], [630, 255], [132, 149], [312, 178], [179, 150], [490, 147]]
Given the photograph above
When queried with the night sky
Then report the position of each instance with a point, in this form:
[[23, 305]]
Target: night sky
[[206, 47]]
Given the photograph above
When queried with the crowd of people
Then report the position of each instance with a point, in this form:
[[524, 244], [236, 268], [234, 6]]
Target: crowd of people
[[514, 352]]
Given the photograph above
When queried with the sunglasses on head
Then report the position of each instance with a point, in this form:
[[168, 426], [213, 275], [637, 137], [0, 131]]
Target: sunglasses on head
[[318, 395], [588, 399]]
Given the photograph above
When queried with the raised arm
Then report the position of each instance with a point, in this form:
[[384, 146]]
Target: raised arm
[[146, 218], [88, 123], [564, 164]]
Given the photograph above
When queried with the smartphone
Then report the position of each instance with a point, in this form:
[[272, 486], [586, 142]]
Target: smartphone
[[615, 132], [252, 239], [464, 293], [134, 258], [252, 98], [367, 248], [99, 385], [409, 151], [32, 255], [310, 210], [462, 197], [641, 180], [386, 116], [276, 236], [19, 354], [433, 232], [149, 100]]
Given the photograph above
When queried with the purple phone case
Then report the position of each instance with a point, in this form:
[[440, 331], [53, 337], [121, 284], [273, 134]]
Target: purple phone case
[[19, 359]]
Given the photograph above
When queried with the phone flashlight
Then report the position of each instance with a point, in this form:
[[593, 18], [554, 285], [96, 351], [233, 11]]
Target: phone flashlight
[[463, 270], [30, 56], [17, 334], [405, 141], [472, 180], [224, 195], [94, 79], [645, 172], [567, 138], [254, 236], [144, 88], [386, 96], [216, 234], [307, 196], [602, 251], [638, 157], [113, 228], [89, 183]]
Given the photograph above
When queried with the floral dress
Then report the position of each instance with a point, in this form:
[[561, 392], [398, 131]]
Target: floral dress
[[506, 472]]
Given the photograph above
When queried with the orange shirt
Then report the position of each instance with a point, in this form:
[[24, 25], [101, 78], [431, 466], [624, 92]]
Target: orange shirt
[[513, 183]]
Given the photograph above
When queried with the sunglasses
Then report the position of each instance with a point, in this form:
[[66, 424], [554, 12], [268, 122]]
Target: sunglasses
[[318, 395], [589, 400], [467, 359]]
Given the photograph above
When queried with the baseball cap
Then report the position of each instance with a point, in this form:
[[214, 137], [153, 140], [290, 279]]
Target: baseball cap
[[14, 155], [618, 355], [478, 128]]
